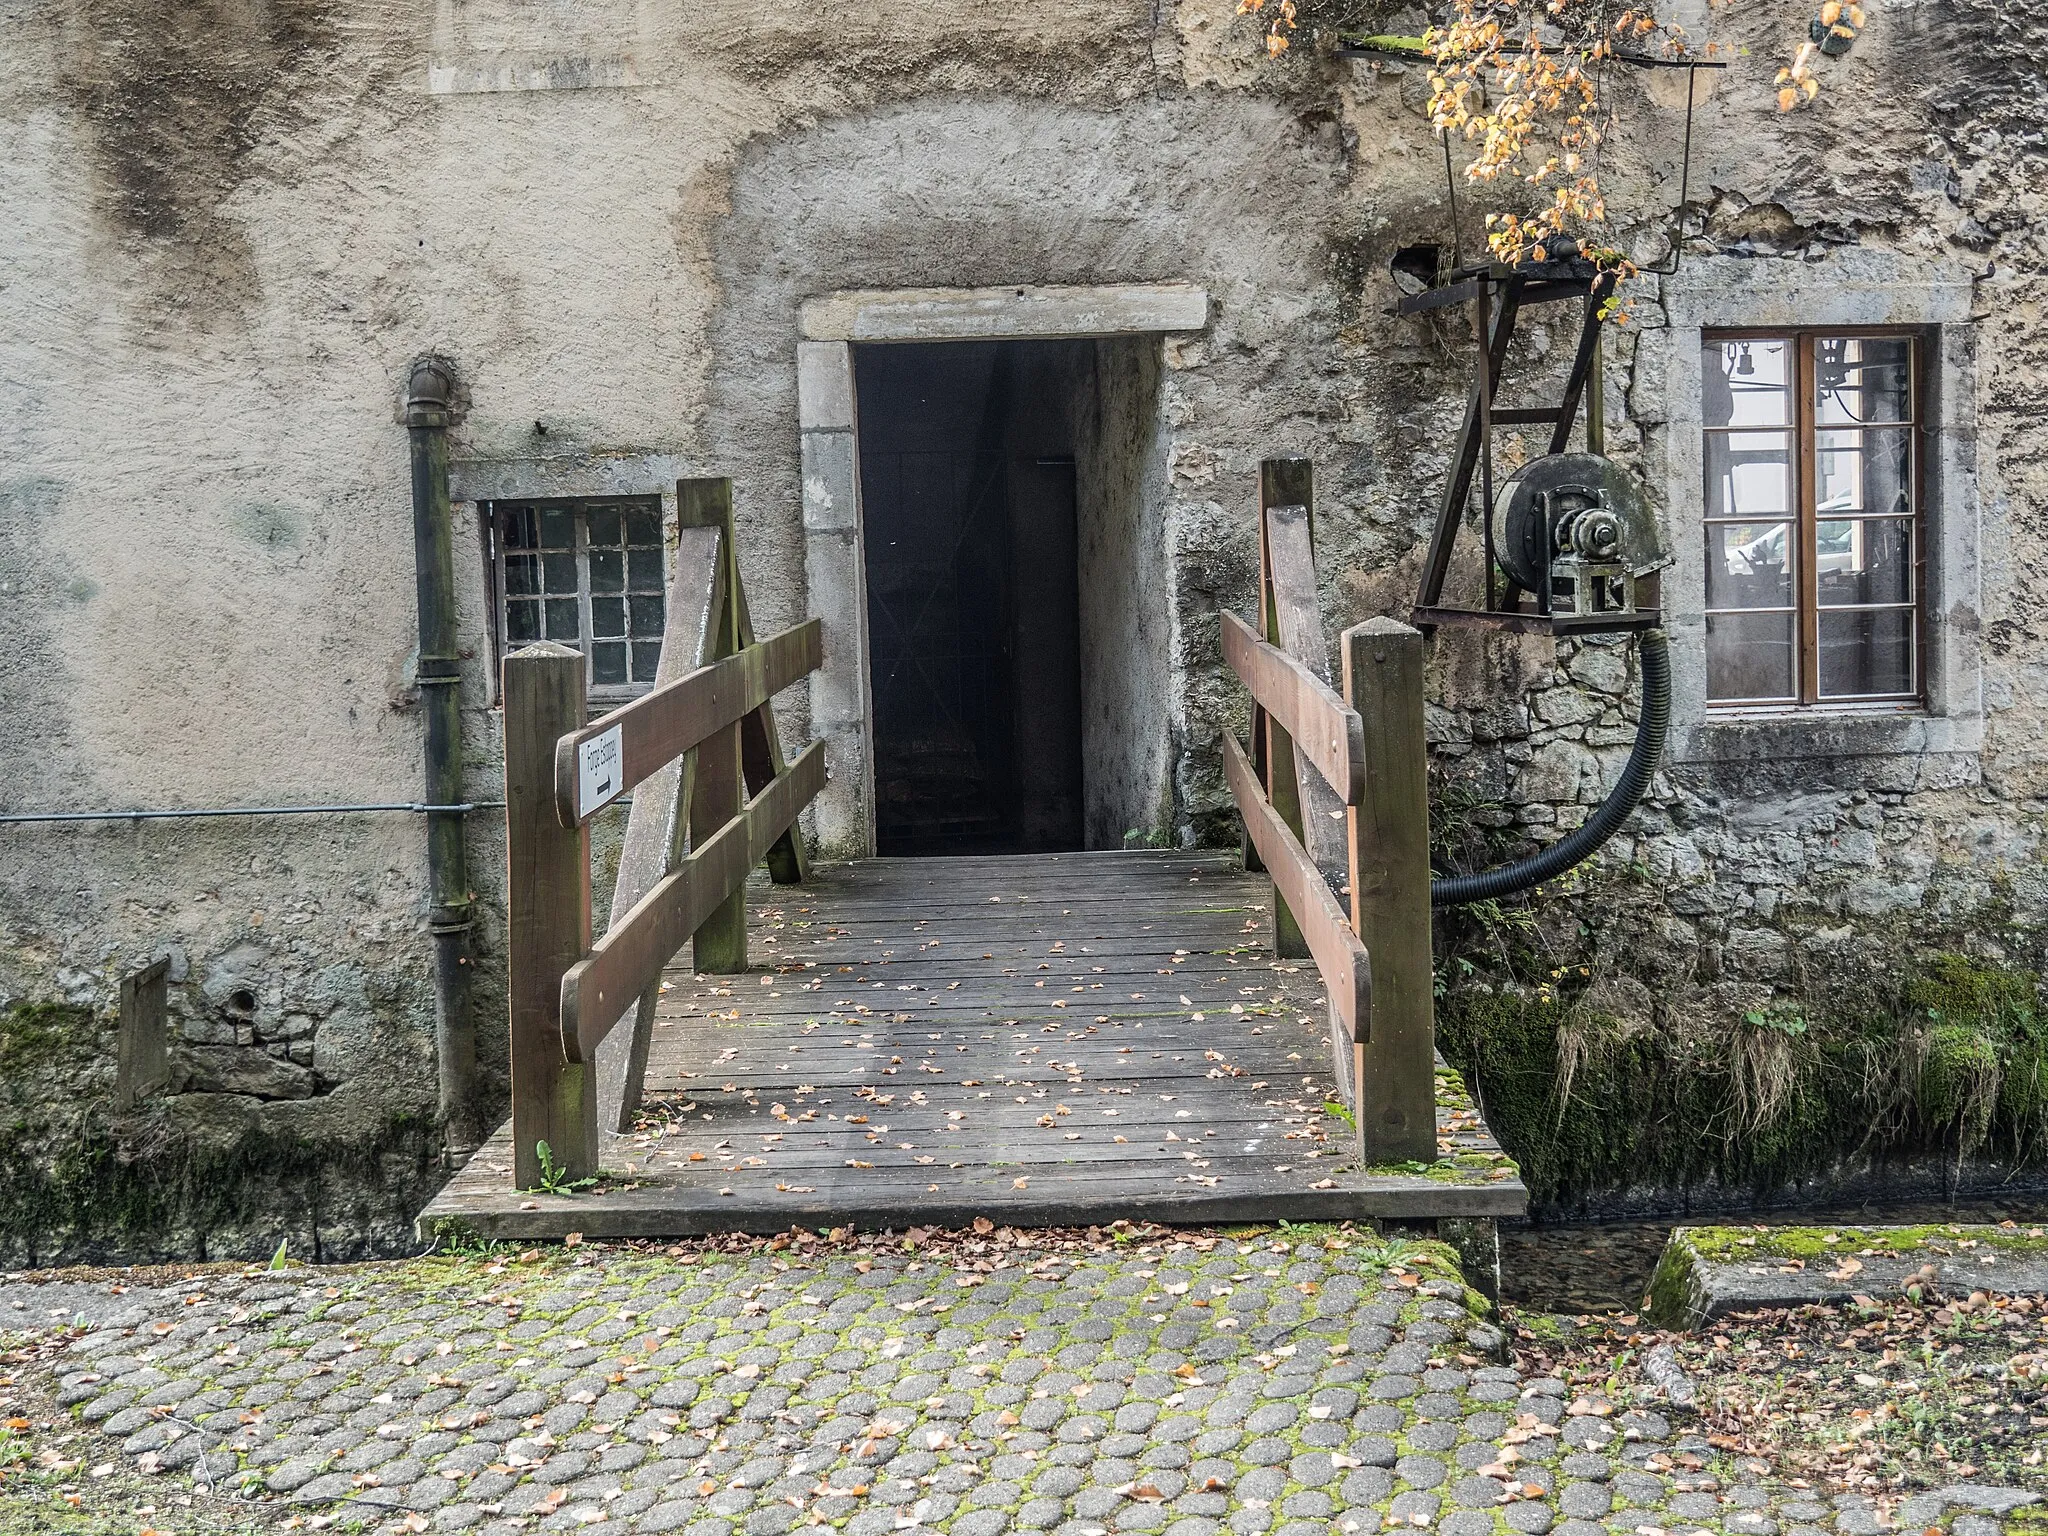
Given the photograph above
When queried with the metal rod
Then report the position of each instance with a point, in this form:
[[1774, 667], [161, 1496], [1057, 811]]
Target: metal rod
[[415, 806], [1451, 182], [1486, 434], [1684, 180]]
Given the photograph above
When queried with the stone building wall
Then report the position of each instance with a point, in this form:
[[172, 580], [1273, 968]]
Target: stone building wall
[[233, 226]]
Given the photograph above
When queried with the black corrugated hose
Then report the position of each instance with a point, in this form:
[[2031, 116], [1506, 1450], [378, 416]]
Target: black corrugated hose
[[1549, 863]]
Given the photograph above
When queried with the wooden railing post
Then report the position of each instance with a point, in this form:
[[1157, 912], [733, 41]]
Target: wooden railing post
[[1389, 837], [719, 787], [1282, 483], [547, 916], [720, 945]]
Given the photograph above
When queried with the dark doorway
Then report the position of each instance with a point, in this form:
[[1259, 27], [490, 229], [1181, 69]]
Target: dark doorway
[[968, 504]]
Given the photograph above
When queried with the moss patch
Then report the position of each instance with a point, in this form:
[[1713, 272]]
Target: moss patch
[[191, 1176], [1724, 1243], [1949, 1059]]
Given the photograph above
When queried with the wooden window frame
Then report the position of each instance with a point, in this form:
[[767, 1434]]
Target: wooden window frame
[[1805, 428], [491, 523]]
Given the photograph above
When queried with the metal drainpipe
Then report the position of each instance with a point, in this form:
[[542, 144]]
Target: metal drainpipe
[[429, 401]]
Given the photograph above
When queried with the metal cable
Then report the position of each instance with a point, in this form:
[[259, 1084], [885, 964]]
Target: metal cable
[[414, 806]]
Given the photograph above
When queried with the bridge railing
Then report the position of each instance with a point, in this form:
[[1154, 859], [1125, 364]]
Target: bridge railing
[[1334, 797], [567, 993]]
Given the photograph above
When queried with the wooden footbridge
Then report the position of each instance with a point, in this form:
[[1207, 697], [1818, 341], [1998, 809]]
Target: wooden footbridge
[[1042, 1040]]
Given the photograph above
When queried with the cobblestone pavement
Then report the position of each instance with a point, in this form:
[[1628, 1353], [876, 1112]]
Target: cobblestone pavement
[[1299, 1383]]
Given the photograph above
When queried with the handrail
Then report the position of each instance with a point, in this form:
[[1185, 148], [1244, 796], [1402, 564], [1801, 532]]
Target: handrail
[[1367, 743], [566, 994], [619, 966], [658, 727], [1325, 730], [1336, 949]]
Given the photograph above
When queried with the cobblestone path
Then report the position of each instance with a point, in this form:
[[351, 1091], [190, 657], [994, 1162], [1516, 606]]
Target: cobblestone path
[[1297, 1385]]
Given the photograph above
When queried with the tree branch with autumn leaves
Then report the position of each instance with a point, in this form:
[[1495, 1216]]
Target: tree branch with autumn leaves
[[1521, 81]]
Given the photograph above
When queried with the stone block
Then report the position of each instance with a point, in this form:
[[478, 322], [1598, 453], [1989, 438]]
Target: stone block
[[231, 1069], [824, 385], [1554, 773]]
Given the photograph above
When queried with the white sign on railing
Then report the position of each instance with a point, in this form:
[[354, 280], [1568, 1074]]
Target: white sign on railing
[[600, 770]]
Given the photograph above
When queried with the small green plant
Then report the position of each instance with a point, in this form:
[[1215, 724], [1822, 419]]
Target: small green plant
[[1341, 1112], [278, 1260], [554, 1178], [1784, 1023]]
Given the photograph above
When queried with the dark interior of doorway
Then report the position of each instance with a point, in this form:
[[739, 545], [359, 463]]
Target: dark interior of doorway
[[969, 516]]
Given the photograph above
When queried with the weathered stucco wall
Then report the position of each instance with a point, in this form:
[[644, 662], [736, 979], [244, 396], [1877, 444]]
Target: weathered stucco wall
[[232, 226]]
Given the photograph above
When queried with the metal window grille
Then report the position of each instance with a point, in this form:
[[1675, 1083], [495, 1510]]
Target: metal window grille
[[587, 574]]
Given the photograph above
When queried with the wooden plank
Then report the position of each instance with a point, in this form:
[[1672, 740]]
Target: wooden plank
[[657, 825], [142, 1064], [633, 953], [1338, 954], [718, 793], [547, 915], [1298, 620], [1383, 667], [966, 1154], [1322, 726], [1295, 624], [663, 724], [760, 742], [1282, 482]]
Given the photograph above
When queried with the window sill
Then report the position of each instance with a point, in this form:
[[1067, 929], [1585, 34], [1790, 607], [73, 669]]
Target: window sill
[[1833, 732]]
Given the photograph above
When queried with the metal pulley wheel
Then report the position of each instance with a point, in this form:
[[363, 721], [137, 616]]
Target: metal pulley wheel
[[1573, 504]]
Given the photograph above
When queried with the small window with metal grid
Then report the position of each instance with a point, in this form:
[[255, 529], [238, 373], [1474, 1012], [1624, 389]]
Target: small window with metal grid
[[586, 574], [1813, 520]]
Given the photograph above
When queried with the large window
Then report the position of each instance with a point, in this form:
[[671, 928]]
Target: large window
[[586, 574], [1813, 518]]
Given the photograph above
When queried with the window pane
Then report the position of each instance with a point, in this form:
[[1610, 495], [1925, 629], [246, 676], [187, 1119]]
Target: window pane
[[1747, 383], [643, 526], [1750, 656], [557, 528], [1864, 471], [1865, 560], [646, 657], [522, 573], [560, 572], [1747, 565], [562, 624], [1862, 379], [643, 570], [1749, 474], [608, 663], [608, 616], [521, 530], [604, 525], [607, 571], [646, 618], [1865, 652], [522, 622]]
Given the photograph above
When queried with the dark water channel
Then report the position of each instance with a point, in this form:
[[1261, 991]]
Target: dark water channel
[[1590, 1267]]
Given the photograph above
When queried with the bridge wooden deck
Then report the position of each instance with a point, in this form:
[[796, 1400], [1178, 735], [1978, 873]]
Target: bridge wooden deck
[[1043, 1040]]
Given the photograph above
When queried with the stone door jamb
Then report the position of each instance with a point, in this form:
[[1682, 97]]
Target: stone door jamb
[[835, 572]]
